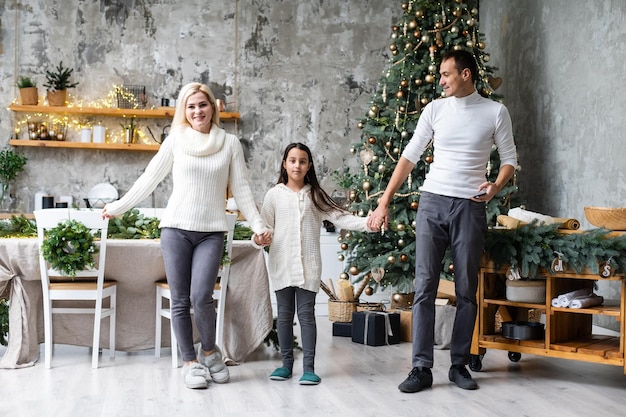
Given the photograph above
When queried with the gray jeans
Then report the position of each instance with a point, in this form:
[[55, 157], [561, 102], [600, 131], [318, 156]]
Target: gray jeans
[[192, 261], [286, 300], [460, 224]]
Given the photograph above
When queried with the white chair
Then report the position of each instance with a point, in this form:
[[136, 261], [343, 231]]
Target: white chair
[[163, 292], [90, 284]]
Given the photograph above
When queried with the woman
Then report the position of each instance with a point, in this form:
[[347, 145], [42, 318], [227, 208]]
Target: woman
[[203, 160]]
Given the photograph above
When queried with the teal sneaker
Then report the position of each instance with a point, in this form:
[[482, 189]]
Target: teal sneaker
[[309, 378], [280, 374]]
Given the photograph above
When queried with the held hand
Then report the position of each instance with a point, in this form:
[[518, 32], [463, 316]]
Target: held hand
[[106, 215], [378, 219], [263, 239]]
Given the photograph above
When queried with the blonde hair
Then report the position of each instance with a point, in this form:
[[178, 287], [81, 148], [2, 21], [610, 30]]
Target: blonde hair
[[181, 103]]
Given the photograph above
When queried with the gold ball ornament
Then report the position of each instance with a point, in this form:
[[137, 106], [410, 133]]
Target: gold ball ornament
[[352, 150], [391, 259], [395, 28], [401, 243], [354, 270], [352, 195], [348, 235], [393, 47], [404, 83], [404, 258], [469, 44], [428, 159], [481, 45], [429, 78], [367, 185], [404, 134], [432, 68], [419, 82], [373, 112], [454, 29], [451, 268], [388, 144], [419, 14], [360, 125], [417, 34], [412, 24], [413, 205], [394, 36], [425, 38], [457, 47], [343, 275], [400, 94], [405, 6], [396, 151], [344, 246], [375, 158], [381, 168], [424, 101], [438, 25], [400, 227], [371, 140], [340, 258], [369, 291]]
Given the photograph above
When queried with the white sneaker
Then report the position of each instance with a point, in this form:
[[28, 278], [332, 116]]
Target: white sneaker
[[215, 364], [195, 375]]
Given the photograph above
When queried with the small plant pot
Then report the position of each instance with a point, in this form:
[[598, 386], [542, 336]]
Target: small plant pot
[[29, 96], [57, 97]]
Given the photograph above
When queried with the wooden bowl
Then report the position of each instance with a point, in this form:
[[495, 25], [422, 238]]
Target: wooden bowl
[[607, 217]]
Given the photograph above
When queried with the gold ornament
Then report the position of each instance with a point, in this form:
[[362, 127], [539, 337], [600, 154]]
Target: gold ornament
[[419, 82], [393, 47], [424, 101], [404, 83], [343, 275], [367, 185], [426, 39], [360, 125], [348, 235], [352, 195], [419, 14], [373, 111], [429, 78], [354, 270], [428, 159], [369, 291], [391, 259], [451, 268], [404, 134], [340, 258], [412, 24], [401, 243], [400, 227], [404, 258], [399, 94], [432, 68], [371, 140], [413, 205], [381, 168], [344, 246]]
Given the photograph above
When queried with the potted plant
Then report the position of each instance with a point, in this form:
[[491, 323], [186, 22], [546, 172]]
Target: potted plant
[[57, 83], [29, 95], [11, 164]]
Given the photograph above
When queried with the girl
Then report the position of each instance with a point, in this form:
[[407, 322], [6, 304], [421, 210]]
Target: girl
[[294, 210]]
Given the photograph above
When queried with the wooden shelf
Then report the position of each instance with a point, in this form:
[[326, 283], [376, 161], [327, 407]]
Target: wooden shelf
[[160, 112], [81, 145]]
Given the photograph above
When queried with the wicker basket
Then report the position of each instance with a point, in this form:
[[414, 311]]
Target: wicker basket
[[370, 307], [341, 311], [607, 217]]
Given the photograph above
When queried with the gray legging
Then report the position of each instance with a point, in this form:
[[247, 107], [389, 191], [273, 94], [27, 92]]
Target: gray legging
[[286, 300], [192, 261]]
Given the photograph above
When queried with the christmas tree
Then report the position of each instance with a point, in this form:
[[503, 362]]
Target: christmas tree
[[425, 31]]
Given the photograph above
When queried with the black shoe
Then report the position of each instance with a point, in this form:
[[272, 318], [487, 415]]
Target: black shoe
[[461, 377], [418, 379]]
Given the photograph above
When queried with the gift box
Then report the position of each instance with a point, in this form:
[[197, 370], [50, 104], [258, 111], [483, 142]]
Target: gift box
[[406, 324], [342, 329], [375, 328]]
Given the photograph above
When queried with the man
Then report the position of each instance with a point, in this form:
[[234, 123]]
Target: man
[[463, 126]]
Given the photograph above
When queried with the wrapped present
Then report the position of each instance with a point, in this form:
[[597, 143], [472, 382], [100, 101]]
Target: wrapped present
[[375, 328], [342, 329], [406, 324]]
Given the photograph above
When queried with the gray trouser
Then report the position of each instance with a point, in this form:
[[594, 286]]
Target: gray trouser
[[286, 300], [441, 222], [192, 261]]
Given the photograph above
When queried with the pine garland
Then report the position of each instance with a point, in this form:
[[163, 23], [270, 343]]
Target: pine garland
[[532, 247], [69, 247]]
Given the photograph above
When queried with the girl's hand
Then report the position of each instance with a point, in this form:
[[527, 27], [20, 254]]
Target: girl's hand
[[263, 239]]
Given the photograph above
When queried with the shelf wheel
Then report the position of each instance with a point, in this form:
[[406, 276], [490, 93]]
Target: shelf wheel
[[515, 356], [476, 362]]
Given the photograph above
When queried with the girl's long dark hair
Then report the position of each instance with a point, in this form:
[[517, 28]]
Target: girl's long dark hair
[[320, 198]]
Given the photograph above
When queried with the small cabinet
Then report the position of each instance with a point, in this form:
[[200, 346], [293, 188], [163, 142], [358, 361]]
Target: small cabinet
[[568, 331], [159, 113]]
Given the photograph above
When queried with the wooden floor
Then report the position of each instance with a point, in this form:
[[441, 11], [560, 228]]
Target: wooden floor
[[357, 381]]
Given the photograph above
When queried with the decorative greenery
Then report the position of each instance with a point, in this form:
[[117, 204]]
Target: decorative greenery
[[4, 321], [134, 225], [59, 78], [25, 82], [533, 247], [18, 226], [69, 247], [11, 164]]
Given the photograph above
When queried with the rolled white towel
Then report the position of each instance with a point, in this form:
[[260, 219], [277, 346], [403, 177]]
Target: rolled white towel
[[564, 299], [588, 301], [555, 302], [528, 216]]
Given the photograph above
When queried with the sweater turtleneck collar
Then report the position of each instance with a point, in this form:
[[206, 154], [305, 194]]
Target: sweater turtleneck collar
[[195, 143], [467, 100]]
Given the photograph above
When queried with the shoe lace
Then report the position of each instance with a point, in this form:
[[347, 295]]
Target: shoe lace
[[464, 372], [414, 375]]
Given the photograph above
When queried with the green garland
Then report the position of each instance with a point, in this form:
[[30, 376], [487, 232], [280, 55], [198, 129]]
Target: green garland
[[532, 247], [69, 247]]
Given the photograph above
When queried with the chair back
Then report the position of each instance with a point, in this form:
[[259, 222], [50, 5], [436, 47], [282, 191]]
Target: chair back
[[92, 219], [224, 273]]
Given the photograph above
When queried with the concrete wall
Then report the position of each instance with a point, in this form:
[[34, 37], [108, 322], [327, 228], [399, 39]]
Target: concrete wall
[[563, 66], [296, 71]]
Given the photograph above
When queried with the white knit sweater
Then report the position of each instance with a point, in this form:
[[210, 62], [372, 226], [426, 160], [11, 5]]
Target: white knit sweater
[[202, 165], [294, 257]]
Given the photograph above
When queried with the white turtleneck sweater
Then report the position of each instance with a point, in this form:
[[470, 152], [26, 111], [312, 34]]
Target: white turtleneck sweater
[[463, 131], [295, 259], [202, 165]]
